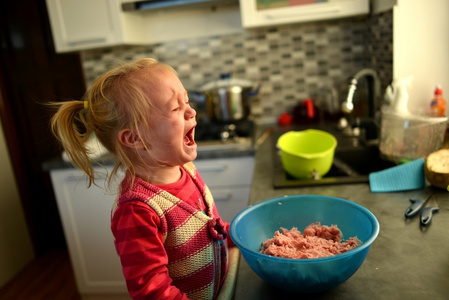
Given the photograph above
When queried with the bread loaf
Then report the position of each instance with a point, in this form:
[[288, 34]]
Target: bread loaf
[[436, 168]]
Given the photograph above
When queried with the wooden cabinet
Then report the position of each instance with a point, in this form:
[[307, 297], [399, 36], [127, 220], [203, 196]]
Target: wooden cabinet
[[85, 215], [278, 12]]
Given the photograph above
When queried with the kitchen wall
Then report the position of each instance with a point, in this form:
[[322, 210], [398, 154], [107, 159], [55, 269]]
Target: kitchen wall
[[291, 62], [421, 49]]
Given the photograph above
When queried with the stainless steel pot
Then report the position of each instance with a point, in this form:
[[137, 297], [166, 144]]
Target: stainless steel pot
[[226, 99]]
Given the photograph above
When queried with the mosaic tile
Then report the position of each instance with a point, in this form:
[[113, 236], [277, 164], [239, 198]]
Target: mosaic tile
[[291, 62]]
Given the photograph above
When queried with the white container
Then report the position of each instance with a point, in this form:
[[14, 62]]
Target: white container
[[406, 137]]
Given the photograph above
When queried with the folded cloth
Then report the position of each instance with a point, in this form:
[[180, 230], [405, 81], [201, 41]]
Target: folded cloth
[[408, 176]]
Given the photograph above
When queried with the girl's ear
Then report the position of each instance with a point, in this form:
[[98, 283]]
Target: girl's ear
[[131, 139]]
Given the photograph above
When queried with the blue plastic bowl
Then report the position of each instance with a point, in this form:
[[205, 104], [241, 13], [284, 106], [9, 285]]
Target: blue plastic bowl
[[257, 223]]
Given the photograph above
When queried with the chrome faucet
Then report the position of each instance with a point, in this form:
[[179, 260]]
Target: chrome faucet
[[373, 91], [373, 94]]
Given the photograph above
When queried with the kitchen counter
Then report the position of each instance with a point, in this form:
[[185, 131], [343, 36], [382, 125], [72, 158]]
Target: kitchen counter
[[406, 260], [206, 150]]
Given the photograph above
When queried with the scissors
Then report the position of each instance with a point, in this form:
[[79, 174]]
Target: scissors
[[424, 199]]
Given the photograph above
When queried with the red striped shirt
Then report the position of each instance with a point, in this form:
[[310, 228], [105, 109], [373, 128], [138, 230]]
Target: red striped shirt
[[139, 240]]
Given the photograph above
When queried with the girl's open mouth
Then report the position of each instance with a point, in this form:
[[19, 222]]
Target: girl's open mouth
[[189, 138]]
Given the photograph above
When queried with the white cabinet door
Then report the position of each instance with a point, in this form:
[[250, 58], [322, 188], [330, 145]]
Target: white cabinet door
[[257, 13], [86, 218], [229, 180], [230, 201], [84, 24], [226, 172]]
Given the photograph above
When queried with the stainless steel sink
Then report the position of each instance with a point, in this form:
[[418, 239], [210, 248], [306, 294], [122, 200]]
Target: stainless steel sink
[[354, 160]]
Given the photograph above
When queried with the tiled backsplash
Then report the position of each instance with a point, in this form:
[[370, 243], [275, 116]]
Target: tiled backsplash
[[291, 62]]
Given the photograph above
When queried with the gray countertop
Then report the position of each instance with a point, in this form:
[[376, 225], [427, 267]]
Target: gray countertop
[[206, 150], [406, 260]]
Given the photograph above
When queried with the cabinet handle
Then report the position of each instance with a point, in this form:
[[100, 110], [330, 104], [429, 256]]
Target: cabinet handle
[[75, 177], [72, 177], [316, 11], [87, 41], [222, 197], [219, 168]]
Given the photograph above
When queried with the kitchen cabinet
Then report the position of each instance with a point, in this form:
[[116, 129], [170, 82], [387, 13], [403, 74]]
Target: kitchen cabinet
[[85, 24], [85, 216], [229, 181], [257, 13], [88, 24]]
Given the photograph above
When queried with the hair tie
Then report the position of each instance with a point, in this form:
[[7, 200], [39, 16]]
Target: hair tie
[[86, 104]]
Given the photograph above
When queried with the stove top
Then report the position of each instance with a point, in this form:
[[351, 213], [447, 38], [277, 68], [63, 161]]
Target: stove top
[[218, 131], [216, 136]]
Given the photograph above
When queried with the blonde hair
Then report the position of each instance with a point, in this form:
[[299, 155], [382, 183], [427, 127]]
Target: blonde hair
[[118, 99]]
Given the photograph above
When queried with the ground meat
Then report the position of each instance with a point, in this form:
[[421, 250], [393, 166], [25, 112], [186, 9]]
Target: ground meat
[[317, 241]]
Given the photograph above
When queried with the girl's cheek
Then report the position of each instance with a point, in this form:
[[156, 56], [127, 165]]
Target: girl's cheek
[[174, 124]]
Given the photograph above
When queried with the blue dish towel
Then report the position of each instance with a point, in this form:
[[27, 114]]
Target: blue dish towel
[[408, 176]]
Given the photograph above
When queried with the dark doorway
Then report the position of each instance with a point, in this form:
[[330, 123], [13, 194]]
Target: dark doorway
[[31, 73]]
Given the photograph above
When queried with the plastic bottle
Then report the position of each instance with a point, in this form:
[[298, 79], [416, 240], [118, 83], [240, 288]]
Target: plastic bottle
[[398, 96], [438, 105]]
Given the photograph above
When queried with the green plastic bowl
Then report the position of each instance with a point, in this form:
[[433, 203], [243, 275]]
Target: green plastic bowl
[[307, 154]]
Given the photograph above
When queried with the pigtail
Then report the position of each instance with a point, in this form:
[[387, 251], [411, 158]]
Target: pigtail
[[70, 126]]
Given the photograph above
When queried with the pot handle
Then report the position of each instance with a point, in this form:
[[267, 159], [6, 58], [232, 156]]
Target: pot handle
[[254, 92], [198, 96]]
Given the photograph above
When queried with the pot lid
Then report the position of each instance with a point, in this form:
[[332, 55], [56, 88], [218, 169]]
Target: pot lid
[[225, 82]]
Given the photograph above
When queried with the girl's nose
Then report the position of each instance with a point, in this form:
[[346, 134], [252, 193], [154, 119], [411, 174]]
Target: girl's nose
[[190, 112]]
